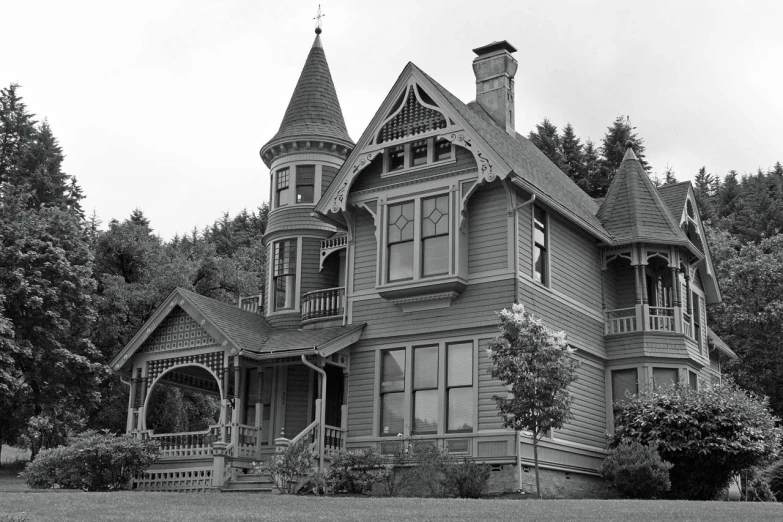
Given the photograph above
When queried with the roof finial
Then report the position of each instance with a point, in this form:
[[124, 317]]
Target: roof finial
[[318, 20]]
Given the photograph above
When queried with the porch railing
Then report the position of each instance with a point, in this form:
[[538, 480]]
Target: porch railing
[[334, 440], [308, 436], [247, 442], [622, 320], [323, 303], [190, 444], [661, 319]]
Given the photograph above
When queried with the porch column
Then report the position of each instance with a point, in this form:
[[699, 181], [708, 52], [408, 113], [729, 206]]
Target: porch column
[[141, 423], [237, 407], [131, 404], [676, 303], [259, 410], [223, 433], [638, 271], [645, 300]]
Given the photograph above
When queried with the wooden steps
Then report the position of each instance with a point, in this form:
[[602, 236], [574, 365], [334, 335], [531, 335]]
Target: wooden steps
[[247, 483]]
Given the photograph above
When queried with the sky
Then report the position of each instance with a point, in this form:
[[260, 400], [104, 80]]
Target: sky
[[163, 105]]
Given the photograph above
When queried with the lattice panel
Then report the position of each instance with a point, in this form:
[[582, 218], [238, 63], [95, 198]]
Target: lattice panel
[[212, 360], [413, 119], [177, 332], [192, 480]]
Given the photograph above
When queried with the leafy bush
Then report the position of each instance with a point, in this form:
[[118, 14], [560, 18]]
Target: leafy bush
[[355, 471], [431, 465], [709, 435], [467, 480], [754, 487], [637, 471], [774, 477], [93, 462], [397, 471], [315, 484], [288, 467]]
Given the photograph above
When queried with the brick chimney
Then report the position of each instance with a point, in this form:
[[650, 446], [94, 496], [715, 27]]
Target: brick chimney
[[495, 69]]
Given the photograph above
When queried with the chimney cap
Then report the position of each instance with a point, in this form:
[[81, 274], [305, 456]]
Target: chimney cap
[[503, 45]]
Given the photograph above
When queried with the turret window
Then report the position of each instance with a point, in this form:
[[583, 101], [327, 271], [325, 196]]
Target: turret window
[[284, 275], [305, 183], [282, 191]]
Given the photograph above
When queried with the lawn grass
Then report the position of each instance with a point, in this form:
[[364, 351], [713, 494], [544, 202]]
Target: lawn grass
[[12, 461], [152, 507]]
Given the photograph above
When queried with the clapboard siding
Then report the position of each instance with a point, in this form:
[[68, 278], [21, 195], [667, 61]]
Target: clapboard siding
[[365, 252], [650, 345], [296, 406], [583, 330], [525, 240], [361, 390], [625, 287], [487, 229], [574, 262], [588, 425], [488, 418], [476, 306], [312, 279], [610, 289], [327, 176]]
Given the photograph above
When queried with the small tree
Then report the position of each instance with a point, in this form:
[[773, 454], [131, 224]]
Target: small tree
[[535, 362]]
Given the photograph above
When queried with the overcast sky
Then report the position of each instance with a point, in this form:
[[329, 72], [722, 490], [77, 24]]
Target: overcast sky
[[163, 105]]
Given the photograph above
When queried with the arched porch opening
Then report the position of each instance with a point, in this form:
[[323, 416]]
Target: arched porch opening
[[183, 399]]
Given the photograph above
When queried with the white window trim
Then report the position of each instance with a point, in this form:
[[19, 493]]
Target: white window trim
[[408, 167], [270, 279]]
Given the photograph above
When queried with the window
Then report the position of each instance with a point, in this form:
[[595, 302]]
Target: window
[[435, 236], [442, 150], [433, 225], [397, 158], [693, 380], [305, 183], [400, 241], [425, 389], [417, 154], [540, 244], [393, 392], [459, 387], [665, 377], [623, 381], [282, 190], [696, 315], [284, 275]]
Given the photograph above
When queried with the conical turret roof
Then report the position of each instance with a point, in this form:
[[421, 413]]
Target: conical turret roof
[[314, 110], [633, 210]]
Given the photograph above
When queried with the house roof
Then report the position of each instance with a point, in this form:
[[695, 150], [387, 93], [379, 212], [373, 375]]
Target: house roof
[[242, 331], [674, 196], [719, 345], [314, 110], [533, 171], [634, 211]]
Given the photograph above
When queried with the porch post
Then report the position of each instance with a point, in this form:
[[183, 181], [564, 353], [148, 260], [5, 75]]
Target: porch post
[[645, 300], [638, 277], [676, 300], [259, 410], [141, 424], [131, 402], [223, 432], [237, 407]]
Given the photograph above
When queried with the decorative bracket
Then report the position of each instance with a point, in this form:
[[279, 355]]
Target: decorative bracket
[[341, 197]]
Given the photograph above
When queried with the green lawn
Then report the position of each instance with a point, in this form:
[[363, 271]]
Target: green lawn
[[151, 507]]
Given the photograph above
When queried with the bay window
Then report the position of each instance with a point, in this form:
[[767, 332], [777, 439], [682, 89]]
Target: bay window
[[284, 275], [400, 241], [435, 236]]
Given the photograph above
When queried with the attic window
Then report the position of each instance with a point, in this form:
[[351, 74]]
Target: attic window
[[442, 150], [419, 152], [412, 118], [397, 158]]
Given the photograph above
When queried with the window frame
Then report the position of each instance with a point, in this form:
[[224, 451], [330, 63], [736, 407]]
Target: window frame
[[279, 187], [382, 392], [415, 389], [535, 246], [297, 184], [409, 164], [272, 276], [448, 387]]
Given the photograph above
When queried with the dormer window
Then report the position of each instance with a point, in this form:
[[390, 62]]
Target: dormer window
[[417, 154]]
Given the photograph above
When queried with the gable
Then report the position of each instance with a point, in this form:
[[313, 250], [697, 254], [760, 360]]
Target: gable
[[177, 332]]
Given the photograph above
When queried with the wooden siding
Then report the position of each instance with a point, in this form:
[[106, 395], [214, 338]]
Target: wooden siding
[[589, 407], [476, 306], [488, 229], [365, 251], [312, 279], [361, 394], [370, 178], [583, 330], [640, 344], [609, 278], [488, 418], [285, 320], [327, 176], [574, 262], [525, 239], [697, 282], [625, 286], [297, 399], [296, 217]]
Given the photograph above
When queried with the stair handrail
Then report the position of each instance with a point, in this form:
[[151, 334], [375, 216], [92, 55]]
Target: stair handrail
[[305, 432]]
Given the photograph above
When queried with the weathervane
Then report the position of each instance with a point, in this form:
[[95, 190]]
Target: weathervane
[[318, 20]]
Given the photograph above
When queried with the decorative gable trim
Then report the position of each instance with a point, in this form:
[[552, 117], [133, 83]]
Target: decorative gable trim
[[176, 298], [412, 85]]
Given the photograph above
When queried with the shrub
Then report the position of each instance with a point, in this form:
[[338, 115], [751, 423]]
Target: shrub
[[774, 477], [316, 483], [431, 464], [397, 472], [288, 467], [709, 435], [355, 471], [467, 480], [637, 471], [754, 487], [93, 462]]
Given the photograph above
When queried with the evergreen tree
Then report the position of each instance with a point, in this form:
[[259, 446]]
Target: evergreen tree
[[573, 160], [592, 166], [703, 188], [547, 140], [669, 178], [613, 147]]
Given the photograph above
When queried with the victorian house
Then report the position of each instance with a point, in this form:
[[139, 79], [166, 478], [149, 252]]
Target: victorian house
[[388, 260]]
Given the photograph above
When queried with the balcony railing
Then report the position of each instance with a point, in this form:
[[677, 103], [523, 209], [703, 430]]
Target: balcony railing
[[620, 321], [334, 242], [661, 319], [322, 304]]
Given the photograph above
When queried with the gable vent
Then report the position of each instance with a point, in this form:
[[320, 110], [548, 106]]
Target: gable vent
[[416, 116]]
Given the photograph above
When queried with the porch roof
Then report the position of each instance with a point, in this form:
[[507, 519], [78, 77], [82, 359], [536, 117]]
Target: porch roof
[[719, 345], [323, 341]]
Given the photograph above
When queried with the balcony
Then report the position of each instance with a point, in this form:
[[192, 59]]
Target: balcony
[[323, 306], [654, 319]]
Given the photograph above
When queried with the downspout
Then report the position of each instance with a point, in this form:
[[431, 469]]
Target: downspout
[[516, 269], [322, 413]]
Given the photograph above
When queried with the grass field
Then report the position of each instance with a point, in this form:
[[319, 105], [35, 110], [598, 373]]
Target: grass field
[[150, 507]]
